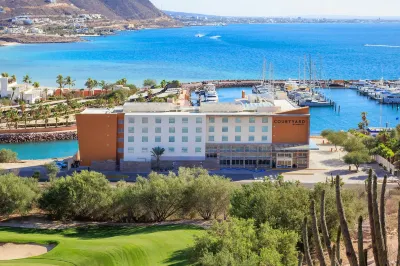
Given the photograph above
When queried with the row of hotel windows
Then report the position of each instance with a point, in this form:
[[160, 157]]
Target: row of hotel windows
[[199, 120], [197, 138], [211, 129], [170, 150]]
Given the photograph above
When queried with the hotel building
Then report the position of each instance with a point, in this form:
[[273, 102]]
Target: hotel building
[[271, 134]]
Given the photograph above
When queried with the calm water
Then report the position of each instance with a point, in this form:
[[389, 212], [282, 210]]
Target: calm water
[[347, 51], [43, 150], [236, 54]]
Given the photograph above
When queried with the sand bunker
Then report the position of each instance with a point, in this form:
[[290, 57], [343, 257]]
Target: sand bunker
[[11, 251]]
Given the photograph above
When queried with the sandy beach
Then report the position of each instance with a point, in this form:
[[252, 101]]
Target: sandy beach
[[3, 43]]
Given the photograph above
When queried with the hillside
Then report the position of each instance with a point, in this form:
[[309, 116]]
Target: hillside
[[112, 9]]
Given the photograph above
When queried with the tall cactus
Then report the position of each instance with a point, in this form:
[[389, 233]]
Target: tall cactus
[[350, 252], [306, 245], [371, 217], [324, 227], [315, 235], [382, 212], [382, 253], [338, 236], [333, 256], [361, 243], [300, 261]]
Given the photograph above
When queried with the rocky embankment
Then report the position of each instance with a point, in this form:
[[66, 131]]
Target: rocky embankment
[[27, 38], [37, 137]]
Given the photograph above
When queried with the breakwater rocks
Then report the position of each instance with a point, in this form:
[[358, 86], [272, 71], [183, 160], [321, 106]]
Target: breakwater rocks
[[37, 137]]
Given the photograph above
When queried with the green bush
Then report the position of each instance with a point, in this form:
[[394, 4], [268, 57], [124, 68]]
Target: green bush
[[8, 156], [17, 195], [85, 196]]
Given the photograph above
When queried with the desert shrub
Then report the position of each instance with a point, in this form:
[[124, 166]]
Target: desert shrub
[[8, 156]]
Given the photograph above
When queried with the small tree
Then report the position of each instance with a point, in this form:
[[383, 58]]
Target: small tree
[[149, 83], [52, 170], [157, 152], [337, 138], [8, 156], [353, 144], [357, 158]]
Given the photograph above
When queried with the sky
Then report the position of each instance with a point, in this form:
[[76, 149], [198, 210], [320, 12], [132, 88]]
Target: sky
[[266, 8]]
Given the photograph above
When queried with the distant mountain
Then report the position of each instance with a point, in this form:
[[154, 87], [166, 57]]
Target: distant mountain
[[112, 9]]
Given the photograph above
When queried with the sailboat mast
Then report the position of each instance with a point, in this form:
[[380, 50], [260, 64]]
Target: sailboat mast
[[304, 70]]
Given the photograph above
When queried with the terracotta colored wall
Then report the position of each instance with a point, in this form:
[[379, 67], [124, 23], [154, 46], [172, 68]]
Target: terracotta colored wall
[[291, 129], [298, 111], [97, 137]]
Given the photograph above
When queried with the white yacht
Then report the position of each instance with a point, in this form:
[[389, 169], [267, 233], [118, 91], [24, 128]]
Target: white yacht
[[314, 103], [391, 98], [210, 94]]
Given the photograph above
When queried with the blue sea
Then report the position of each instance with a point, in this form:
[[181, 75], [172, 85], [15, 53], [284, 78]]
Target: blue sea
[[341, 51]]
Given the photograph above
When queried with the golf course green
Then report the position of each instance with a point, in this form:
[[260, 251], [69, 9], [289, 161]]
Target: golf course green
[[151, 245]]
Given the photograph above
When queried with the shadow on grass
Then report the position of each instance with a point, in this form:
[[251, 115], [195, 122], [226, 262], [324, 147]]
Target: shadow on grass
[[97, 232], [179, 258]]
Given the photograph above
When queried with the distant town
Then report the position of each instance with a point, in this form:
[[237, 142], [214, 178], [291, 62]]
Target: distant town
[[191, 19]]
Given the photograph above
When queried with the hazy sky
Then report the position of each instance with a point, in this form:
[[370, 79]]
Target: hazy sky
[[284, 7]]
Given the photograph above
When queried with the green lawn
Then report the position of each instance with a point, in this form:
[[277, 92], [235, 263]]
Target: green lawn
[[154, 245]]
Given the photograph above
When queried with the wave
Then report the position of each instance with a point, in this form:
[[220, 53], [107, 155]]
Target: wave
[[382, 45], [200, 35], [215, 37]]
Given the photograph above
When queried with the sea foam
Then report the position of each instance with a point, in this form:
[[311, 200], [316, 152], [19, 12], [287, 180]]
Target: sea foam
[[382, 45]]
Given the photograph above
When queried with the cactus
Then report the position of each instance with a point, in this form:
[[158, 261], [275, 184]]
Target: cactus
[[350, 252], [324, 227], [315, 235], [382, 212], [301, 256], [371, 217], [360, 243], [333, 256], [382, 253], [339, 232], [306, 246], [366, 256]]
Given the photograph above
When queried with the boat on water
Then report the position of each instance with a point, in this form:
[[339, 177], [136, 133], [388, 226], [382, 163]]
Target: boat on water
[[312, 102], [265, 88], [210, 93], [389, 98]]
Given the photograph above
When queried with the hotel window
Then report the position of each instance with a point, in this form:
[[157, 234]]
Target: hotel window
[[185, 120], [210, 138], [264, 138], [224, 138], [120, 150], [185, 130], [172, 130], [199, 120], [131, 150], [131, 130], [265, 119], [145, 139], [145, 150], [120, 121], [131, 139], [157, 139], [197, 150], [145, 130], [251, 138], [252, 119], [120, 130], [264, 129], [238, 129], [158, 129], [225, 120], [120, 139], [145, 120], [211, 119], [198, 130], [238, 138], [184, 150], [158, 120], [198, 139], [171, 149], [171, 139], [211, 129], [185, 139], [172, 120], [238, 120], [131, 120], [224, 129], [252, 129]]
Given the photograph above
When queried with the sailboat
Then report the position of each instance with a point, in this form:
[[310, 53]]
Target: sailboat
[[265, 87]]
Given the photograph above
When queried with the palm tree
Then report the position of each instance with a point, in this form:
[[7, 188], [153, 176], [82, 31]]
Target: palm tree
[[46, 114], [60, 81], [4, 75], [66, 119], [46, 91], [24, 117], [90, 84], [13, 92], [163, 83], [36, 84], [27, 80], [56, 116], [13, 78], [157, 152], [122, 82], [69, 81]]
